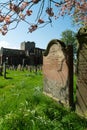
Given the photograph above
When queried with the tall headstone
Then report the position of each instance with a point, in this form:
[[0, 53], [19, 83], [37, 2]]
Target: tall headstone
[[4, 69], [81, 104], [56, 71], [1, 69]]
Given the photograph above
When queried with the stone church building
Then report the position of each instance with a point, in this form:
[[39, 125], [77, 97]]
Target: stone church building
[[27, 55]]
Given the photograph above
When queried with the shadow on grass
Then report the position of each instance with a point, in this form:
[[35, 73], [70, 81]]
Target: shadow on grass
[[8, 78]]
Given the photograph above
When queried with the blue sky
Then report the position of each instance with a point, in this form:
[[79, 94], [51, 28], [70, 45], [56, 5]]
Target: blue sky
[[41, 36]]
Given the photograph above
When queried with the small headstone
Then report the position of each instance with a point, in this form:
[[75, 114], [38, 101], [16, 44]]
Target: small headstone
[[19, 67]]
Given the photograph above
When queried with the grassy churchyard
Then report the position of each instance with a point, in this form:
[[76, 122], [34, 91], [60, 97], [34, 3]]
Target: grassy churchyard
[[23, 106]]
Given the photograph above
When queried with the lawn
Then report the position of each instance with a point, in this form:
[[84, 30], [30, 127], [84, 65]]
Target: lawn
[[23, 106]]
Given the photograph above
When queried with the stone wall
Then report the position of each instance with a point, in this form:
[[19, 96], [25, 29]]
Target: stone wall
[[56, 72], [81, 104]]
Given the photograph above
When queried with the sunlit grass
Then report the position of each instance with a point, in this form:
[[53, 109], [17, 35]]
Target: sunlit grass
[[23, 106]]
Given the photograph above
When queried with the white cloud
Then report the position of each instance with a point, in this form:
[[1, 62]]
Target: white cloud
[[6, 44]]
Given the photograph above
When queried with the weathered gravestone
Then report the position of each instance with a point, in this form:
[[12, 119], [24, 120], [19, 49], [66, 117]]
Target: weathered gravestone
[[81, 104], [4, 69], [1, 69], [56, 72]]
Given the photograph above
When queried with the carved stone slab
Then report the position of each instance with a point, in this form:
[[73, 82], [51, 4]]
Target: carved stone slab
[[81, 102], [55, 71]]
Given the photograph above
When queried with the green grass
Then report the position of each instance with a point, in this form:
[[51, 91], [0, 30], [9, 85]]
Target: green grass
[[23, 106]]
